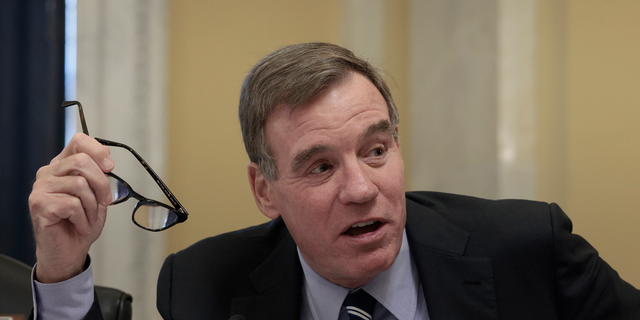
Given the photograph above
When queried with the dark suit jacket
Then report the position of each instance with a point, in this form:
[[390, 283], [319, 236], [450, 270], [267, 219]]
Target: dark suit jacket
[[477, 259]]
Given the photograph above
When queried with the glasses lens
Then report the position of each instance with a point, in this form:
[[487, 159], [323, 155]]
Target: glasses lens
[[154, 217], [118, 190]]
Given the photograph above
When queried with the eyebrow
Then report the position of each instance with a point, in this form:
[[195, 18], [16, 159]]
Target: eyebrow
[[303, 156], [382, 126]]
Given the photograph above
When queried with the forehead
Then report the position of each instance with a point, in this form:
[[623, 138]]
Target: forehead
[[355, 93], [354, 103]]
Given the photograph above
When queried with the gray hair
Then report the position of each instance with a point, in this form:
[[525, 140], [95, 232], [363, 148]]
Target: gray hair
[[291, 76]]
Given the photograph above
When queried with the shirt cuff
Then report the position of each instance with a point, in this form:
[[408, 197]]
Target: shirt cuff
[[69, 299]]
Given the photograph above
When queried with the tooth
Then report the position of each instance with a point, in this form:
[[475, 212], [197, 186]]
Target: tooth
[[362, 224]]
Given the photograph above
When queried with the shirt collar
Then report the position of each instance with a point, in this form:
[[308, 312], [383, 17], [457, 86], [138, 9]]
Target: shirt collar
[[391, 288]]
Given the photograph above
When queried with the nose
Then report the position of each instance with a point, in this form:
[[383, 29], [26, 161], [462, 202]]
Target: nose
[[357, 184]]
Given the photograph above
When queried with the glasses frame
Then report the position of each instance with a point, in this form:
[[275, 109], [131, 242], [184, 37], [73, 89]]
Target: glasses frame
[[177, 207]]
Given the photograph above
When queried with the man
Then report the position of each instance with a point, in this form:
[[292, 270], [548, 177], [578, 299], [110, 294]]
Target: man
[[321, 130]]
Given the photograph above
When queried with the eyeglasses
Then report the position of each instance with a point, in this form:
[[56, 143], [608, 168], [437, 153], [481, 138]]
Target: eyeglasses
[[148, 214]]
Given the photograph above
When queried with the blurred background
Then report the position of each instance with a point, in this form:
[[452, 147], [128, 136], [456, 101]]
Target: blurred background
[[534, 99]]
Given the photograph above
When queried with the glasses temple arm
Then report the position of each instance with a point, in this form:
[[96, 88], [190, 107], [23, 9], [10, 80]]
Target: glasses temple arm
[[155, 177], [82, 121]]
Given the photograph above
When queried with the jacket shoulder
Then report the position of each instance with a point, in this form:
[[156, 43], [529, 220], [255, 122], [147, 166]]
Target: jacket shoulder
[[472, 213], [441, 201], [494, 227], [202, 279]]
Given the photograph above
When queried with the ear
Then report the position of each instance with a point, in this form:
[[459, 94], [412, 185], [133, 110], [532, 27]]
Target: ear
[[263, 191], [397, 137]]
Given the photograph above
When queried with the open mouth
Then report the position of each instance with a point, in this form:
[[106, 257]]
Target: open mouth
[[362, 228]]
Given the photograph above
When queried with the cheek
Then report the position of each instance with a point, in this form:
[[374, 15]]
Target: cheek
[[318, 217], [393, 178], [306, 210], [315, 209]]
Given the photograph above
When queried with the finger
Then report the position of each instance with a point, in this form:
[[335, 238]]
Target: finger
[[81, 143], [62, 236], [51, 209], [82, 164], [78, 165], [76, 186]]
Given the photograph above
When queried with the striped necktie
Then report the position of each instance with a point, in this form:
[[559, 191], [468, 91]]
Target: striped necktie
[[359, 305]]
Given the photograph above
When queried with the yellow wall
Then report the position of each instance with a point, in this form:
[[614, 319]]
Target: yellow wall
[[212, 45], [589, 74], [588, 140], [396, 64]]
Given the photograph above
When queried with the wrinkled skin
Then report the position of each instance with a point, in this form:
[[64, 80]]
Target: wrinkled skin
[[338, 165], [68, 206]]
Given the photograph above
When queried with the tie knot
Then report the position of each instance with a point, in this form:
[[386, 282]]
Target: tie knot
[[359, 305]]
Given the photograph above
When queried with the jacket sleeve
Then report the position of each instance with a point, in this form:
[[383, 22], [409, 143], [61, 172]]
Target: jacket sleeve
[[587, 287], [94, 313], [163, 298]]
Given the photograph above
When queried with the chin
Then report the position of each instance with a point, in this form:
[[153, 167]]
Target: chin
[[368, 268]]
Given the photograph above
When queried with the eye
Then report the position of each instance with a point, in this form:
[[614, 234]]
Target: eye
[[376, 152], [321, 168]]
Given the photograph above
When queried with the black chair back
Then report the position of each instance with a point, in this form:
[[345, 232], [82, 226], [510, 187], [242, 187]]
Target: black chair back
[[15, 293]]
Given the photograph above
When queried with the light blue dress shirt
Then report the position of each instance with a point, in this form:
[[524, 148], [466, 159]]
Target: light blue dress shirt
[[66, 300], [397, 290]]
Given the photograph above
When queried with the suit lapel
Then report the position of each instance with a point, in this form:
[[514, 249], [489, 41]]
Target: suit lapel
[[455, 286], [278, 282]]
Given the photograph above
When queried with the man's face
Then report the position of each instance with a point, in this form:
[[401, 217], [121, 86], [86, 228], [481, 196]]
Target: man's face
[[340, 187]]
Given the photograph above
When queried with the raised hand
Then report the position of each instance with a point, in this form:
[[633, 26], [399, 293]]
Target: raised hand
[[68, 207]]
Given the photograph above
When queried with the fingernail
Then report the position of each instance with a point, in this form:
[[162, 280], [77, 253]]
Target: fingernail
[[107, 163]]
